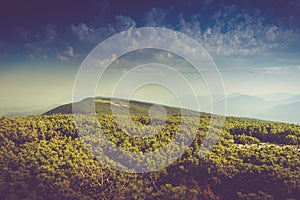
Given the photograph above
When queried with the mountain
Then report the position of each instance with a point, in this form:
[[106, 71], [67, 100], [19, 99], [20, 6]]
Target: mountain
[[238, 105], [245, 105], [292, 100], [24, 111], [283, 107], [105, 106], [285, 113], [55, 157], [242, 105], [276, 97]]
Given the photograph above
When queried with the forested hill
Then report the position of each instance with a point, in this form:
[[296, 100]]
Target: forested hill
[[45, 157], [104, 106]]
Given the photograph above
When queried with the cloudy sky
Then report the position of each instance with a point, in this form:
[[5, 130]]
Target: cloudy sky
[[255, 44]]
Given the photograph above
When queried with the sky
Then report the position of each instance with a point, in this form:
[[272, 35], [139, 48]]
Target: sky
[[254, 44]]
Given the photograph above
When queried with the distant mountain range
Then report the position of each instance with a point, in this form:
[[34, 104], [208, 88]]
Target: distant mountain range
[[20, 111], [276, 107], [280, 96], [289, 113], [284, 107]]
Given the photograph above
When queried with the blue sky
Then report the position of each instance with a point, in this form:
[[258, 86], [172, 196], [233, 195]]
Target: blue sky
[[255, 44]]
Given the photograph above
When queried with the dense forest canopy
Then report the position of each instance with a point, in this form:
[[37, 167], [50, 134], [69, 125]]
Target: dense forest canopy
[[45, 157]]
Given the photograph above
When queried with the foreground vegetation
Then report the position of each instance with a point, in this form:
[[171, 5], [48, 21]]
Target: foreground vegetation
[[43, 157]]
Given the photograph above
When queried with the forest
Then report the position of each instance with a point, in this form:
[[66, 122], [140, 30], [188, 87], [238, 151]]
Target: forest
[[45, 157]]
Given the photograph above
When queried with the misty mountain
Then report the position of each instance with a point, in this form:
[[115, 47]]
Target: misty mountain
[[242, 105], [283, 107], [20, 111], [292, 100], [277, 97], [285, 113]]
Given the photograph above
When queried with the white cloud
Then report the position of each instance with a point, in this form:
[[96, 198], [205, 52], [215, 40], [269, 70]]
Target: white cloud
[[230, 32], [191, 28], [32, 46], [268, 70], [238, 32], [272, 33], [50, 32], [94, 35], [279, 70], [82, 30], [155, 17], [35, 42], [169, 55], [31, 57], [124, 23], [105, 62], [67, 55], [63, 58], [70, 52]]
